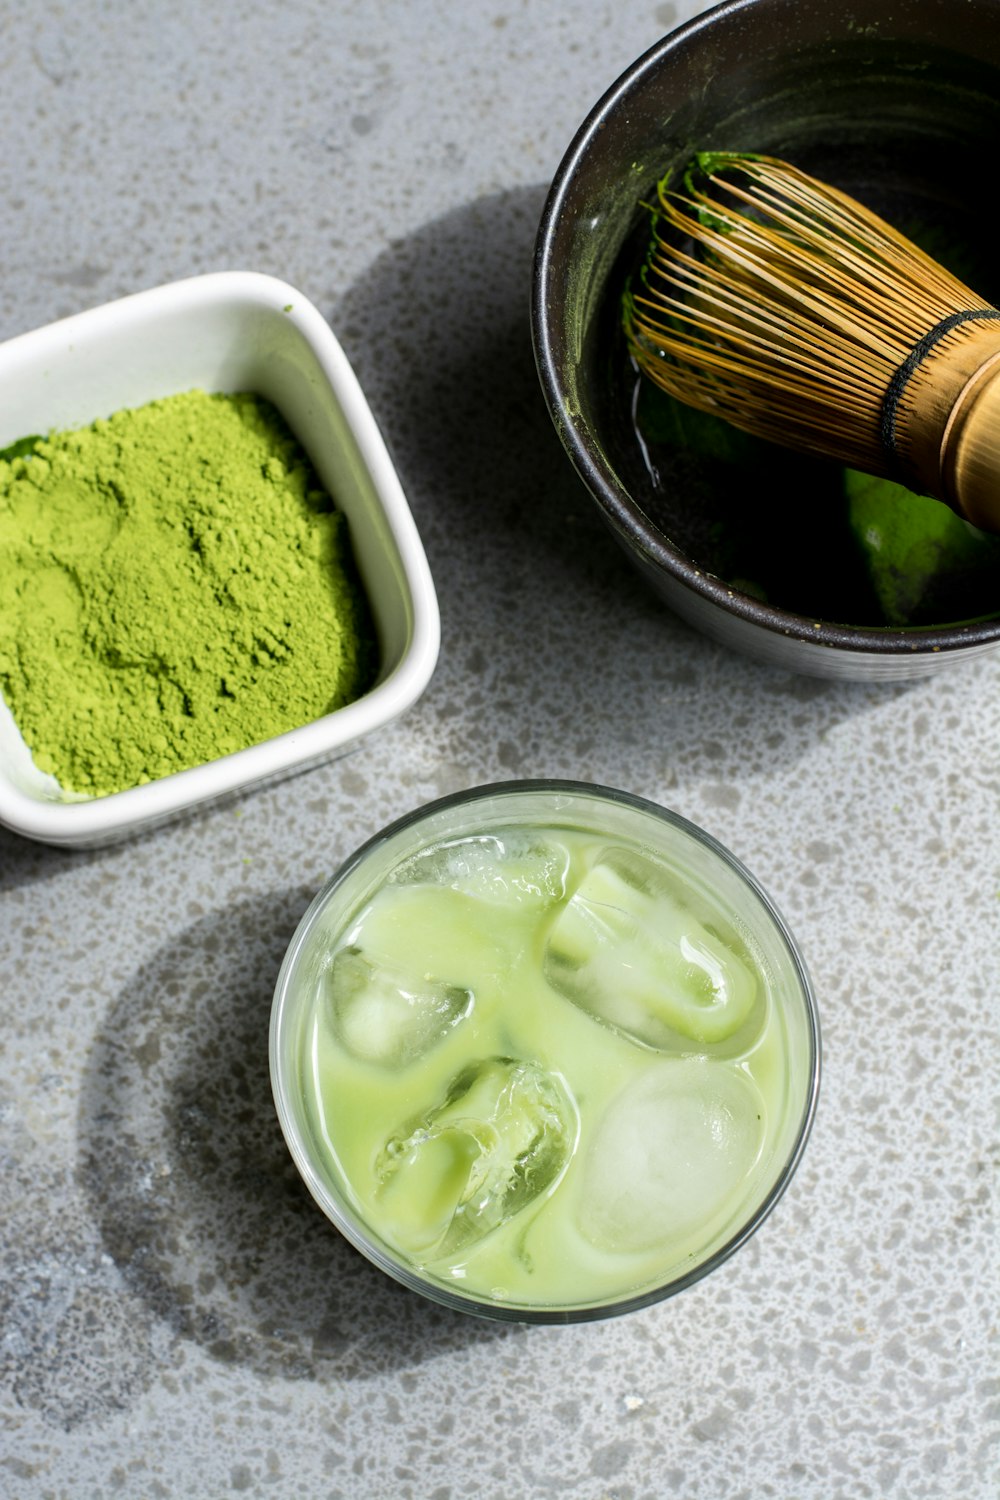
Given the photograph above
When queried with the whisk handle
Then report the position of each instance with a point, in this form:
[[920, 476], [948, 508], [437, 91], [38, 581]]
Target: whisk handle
[[971, 451], [948, 423]]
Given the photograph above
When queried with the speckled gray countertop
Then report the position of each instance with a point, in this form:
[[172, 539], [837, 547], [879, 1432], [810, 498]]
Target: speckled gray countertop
[[177, 1317]]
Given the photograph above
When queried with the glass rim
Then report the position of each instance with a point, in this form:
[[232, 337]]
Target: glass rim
[[352, 1225]]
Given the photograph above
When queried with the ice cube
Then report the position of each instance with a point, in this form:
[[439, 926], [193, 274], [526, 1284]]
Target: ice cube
[[513, 867], [384, 1014], [627, 949], [671, 1155], [499, 1139]]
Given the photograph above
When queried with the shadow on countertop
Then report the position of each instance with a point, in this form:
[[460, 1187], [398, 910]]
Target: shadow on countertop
[[195, 1194], [538, 601], [438, 330]]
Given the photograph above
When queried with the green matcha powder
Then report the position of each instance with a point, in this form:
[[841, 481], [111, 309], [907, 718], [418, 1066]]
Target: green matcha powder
[[174, 585]]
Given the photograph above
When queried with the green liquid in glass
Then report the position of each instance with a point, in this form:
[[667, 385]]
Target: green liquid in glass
[[544, 1068]]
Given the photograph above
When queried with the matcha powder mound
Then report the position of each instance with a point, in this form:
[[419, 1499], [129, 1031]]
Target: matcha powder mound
[[174, 586]]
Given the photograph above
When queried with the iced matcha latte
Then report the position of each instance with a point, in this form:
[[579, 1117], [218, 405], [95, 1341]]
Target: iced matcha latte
[[544, 1050]]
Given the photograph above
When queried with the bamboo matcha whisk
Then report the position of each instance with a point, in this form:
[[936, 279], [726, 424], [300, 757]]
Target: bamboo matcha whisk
[[782, 305]]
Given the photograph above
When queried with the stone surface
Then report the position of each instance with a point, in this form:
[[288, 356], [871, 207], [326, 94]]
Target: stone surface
[[176, 1318]]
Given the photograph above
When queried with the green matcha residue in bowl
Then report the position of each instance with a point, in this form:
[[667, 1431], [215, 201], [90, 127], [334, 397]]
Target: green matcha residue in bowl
[[926, 565], [806, 534]]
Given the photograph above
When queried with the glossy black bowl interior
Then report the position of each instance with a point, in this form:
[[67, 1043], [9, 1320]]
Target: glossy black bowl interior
[[899, 105]]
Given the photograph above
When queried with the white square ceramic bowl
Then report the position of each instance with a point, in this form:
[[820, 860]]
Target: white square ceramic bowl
[[231, 331]]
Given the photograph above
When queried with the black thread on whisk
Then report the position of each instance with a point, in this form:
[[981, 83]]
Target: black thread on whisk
[[916, 357]]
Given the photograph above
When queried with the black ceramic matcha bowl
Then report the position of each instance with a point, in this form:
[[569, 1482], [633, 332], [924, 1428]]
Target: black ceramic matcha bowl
[[900, 106]]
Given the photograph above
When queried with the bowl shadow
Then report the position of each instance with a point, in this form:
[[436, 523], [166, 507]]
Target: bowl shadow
[[24, 861], [439, 332], [193, 1189]]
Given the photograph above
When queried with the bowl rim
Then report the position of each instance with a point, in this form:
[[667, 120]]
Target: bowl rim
[[351, 1225], [87, 821], [619, 510]]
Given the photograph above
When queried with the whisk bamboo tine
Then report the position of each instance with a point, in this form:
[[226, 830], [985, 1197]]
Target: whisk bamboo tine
[[770, 255], [783, 305]]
